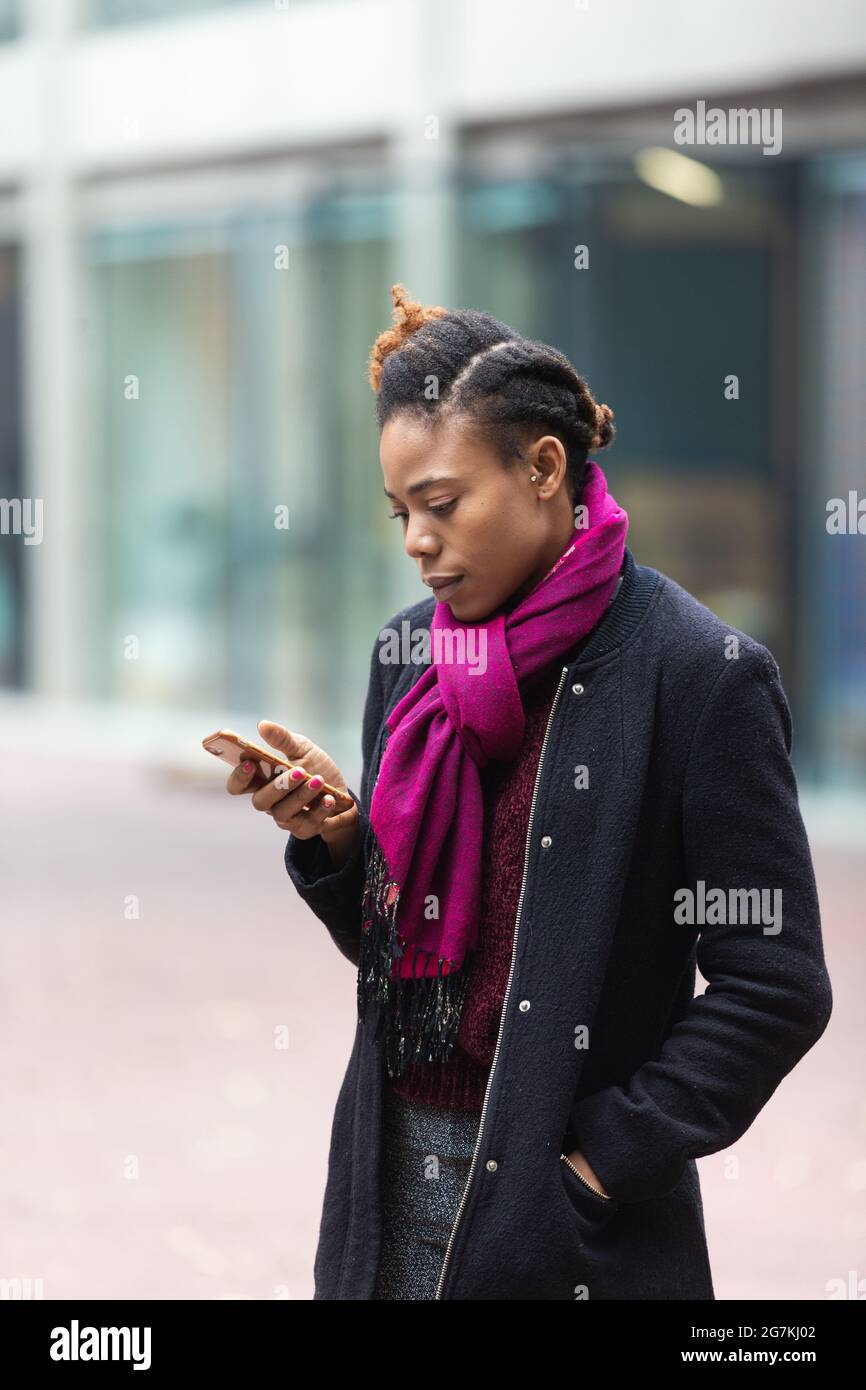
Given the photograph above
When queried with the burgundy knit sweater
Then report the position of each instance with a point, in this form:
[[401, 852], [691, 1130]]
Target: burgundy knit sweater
[[460, 1082]]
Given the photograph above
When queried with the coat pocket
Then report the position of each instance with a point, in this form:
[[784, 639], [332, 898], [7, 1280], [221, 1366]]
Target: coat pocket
[[589, 1205]]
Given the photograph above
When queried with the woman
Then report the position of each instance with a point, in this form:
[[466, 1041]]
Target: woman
[[576, 788]]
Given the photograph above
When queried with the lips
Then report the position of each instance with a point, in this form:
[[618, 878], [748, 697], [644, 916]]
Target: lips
[[443, 589]]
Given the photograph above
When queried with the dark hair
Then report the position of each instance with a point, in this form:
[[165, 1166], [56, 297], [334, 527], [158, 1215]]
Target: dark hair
[[435, 362]]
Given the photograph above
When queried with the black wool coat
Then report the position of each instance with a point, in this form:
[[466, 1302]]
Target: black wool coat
[[603, 1044]]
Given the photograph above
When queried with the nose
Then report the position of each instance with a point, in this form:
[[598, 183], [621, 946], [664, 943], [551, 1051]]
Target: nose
[[419, 541]]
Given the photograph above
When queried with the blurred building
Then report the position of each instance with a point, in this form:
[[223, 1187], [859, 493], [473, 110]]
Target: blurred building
[[202, 207]]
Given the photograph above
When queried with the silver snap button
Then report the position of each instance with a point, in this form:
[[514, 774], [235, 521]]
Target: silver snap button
[[577, 688], [492, 1165], [546, 842], [523, 1006]]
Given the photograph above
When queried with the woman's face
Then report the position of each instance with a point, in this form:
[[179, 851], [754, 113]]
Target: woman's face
[[470, 516]]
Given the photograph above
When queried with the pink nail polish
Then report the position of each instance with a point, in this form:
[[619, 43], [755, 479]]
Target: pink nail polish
[[316, 782], [297, 774]]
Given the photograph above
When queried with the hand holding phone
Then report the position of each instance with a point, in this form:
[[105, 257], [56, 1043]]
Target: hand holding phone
[[295, 804], [231, 748]]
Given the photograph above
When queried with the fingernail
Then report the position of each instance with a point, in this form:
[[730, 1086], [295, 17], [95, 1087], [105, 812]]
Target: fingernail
[[316, 782], [297, 774], [247, 766]]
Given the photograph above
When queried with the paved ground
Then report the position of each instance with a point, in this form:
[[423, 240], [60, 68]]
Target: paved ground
[[158, 1144]]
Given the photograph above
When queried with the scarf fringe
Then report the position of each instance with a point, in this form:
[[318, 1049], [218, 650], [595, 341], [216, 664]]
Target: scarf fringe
[[420, 1015]]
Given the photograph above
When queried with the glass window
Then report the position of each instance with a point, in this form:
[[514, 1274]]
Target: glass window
[[12, 547], [675, 301], [109, 12], [229, 394], [727, 496], [10, 20], [834, 475]]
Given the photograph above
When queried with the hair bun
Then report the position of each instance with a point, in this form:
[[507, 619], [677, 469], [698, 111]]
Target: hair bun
[[604, 427], [409, 315]]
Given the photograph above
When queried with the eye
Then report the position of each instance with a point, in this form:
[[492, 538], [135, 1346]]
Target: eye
[[444, 507]]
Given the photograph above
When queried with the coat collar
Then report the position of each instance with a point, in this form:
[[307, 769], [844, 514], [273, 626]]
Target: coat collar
[[639, 583]]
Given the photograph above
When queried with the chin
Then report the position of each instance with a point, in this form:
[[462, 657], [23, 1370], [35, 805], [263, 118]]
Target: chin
[[467, 612]]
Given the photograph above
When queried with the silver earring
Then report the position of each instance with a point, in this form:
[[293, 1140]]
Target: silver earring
[[534, 478]]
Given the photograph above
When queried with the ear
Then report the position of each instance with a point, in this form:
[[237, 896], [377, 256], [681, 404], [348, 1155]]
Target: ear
[[550, 461]]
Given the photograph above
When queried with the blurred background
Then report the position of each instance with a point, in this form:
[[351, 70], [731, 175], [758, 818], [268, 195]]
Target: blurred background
[[202, 208]]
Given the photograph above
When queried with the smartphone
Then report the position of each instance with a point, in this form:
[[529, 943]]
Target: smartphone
[[233, 749]]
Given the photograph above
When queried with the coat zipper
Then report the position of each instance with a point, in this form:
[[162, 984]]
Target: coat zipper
[[605, 1196], [507, 992]]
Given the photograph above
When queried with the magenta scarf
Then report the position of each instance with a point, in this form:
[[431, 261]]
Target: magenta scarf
[[422, 897]]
